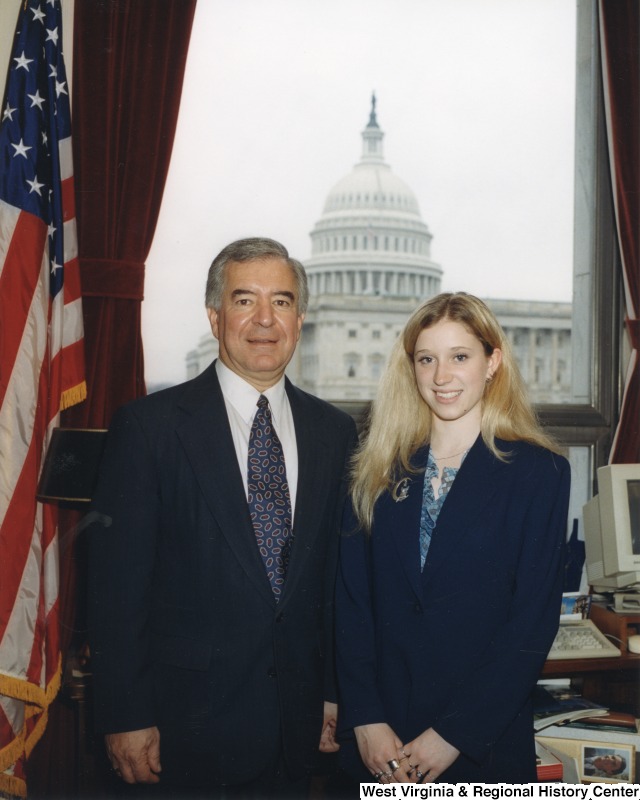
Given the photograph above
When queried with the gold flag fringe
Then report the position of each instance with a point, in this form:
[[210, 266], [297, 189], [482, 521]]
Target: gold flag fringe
[[10, 786], [74, 395], [38, 701]]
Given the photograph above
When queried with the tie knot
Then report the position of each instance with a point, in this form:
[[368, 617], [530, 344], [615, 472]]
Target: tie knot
[[262, 402]]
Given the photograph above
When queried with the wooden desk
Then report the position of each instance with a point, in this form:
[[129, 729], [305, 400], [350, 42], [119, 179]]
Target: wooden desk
[[613, 682], [566, 667]]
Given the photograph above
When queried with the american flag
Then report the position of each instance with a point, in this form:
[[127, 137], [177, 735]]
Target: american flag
[[41, 370]]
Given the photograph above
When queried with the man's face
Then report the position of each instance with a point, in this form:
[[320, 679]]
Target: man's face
[[610, 764], [258, 324]]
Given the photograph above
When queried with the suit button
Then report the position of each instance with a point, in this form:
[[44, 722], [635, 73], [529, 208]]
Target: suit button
[[417, 608], [271, 672], [280, 617]]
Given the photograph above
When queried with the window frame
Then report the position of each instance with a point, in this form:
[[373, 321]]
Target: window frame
[[597, 291], [592, 424]]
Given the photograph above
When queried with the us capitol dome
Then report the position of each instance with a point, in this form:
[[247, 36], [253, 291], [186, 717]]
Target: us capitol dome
[[370, 265], [371, 239]]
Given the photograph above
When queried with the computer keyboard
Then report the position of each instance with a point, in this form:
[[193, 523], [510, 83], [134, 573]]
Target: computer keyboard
[[581, 639]]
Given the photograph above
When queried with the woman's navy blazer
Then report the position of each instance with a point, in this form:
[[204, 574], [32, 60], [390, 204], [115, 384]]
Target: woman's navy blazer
[[460, 646]]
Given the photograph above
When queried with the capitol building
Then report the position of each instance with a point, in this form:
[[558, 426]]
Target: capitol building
[[370, 266]]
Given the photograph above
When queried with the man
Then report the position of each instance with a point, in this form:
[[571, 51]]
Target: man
[[211, 612], [603, 764]]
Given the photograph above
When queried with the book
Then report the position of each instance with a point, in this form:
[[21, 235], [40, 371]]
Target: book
[[611, 721], [548, 766], [557, 705], [592, 735]]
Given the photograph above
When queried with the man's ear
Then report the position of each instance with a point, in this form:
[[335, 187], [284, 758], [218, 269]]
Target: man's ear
[[213, 320]]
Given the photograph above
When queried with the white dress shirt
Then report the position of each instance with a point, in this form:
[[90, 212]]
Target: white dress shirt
[[241, 400]]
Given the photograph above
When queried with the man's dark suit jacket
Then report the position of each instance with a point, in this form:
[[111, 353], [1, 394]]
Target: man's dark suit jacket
[[458, 647], [185, 632]]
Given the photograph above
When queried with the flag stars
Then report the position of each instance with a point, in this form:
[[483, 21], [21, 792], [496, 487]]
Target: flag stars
[[38, 14], [54, 71], [23, 62], [61, 88], [8, 113], [51, 230], [21, 149], [52, 35], [35, 186], [36, 100], [55, 267]]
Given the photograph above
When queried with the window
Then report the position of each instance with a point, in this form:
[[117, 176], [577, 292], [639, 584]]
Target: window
[[376, 366], [352, 362], [591, 363]]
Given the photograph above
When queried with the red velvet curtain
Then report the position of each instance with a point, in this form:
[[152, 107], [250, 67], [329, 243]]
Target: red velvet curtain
[[129, 59], [620, 41]]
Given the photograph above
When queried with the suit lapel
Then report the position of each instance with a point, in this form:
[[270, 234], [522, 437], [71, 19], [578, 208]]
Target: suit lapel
[[314, 475], [206, 437], [405, 514]]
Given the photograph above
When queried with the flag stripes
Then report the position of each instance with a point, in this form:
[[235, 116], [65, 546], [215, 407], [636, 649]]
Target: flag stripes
[[41, 371]]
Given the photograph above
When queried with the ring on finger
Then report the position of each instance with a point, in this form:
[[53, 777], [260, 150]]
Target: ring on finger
[[419, 775], [393, 764]]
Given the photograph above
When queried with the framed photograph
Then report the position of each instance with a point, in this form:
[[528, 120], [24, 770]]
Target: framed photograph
[[575, 606], [607, 763]]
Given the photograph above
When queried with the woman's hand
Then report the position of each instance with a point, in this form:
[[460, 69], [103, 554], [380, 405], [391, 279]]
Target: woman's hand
[[379, 749], [430, 755]]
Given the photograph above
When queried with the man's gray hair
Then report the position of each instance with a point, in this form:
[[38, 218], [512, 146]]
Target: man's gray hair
[[251, 250]]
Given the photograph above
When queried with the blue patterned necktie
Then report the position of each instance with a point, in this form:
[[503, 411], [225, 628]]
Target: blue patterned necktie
[[268, 496]]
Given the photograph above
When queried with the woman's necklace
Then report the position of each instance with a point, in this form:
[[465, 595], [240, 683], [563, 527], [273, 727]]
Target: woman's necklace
[[444, 458]]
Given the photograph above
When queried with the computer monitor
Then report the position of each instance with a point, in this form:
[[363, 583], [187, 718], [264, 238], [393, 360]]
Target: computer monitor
[[612, 529]]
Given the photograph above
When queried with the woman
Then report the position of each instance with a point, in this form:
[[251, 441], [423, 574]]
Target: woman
[[450, 580]]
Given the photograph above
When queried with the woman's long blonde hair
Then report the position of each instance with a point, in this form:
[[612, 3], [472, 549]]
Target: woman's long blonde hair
[[400, 420]]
